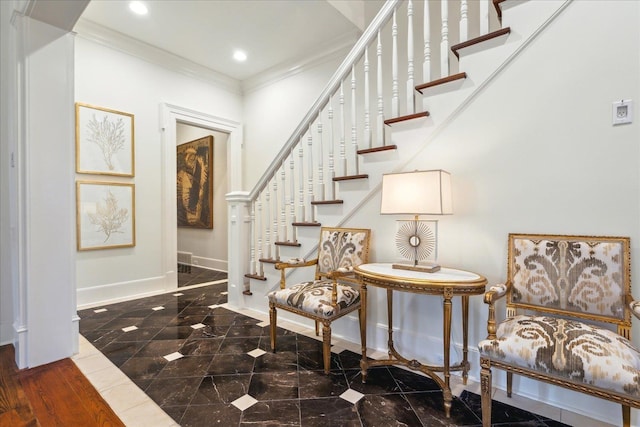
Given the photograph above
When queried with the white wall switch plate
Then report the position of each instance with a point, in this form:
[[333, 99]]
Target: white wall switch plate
[[622, 111]]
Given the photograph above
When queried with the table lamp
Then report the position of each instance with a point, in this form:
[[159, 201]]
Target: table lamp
[[417, 193]]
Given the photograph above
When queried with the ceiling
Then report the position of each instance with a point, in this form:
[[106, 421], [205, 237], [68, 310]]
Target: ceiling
[[273, 33]]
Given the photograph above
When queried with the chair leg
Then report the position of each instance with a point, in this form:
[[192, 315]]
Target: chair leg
[[485, 391], [272, 326], [317, 328], [509, 383], [626, 416], [326, 346]]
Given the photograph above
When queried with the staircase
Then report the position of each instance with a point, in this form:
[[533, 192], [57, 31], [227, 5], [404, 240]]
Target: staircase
[[404, 81]]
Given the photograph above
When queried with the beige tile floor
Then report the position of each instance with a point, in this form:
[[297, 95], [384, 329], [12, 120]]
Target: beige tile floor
[[135, 408]]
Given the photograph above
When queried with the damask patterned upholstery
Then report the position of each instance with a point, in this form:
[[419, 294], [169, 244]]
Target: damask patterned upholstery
[[315, 297], [569, 350], [334, 291], [564, 295]]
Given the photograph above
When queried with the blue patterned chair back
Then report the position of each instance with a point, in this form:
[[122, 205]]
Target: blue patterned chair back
[[586, 276]]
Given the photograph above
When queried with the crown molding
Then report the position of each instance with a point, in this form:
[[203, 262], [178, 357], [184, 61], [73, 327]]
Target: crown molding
[[336, 48], [106, 37]]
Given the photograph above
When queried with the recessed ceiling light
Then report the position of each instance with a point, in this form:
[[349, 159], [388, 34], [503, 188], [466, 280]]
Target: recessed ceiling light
[[239, 56], [138, 7]]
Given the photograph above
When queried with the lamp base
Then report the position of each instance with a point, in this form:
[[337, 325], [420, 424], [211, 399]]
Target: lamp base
[[426, 268]]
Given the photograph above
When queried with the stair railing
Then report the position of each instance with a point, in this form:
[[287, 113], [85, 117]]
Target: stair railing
[[279, 202]]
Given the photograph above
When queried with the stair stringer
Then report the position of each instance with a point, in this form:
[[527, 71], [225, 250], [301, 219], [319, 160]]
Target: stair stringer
[[412, 138]]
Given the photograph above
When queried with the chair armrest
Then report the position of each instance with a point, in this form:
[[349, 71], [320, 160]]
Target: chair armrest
[[294, 263], [494, 293], [634, 305]]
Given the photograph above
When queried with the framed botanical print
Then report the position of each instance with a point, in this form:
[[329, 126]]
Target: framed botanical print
[[104, 141], [105, 215], [195, 183]]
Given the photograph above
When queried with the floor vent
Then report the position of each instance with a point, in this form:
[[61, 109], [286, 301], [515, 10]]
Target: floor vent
[[185, 257]]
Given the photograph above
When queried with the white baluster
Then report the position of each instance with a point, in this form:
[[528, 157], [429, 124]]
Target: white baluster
[[292, 198], [394, 68], [410, 78], [301, 181], [267, 222], [484, 17], [343, 154], [252, 263], [426, 64], [260, 230], [310, 174], [283, 204], [367, 118], [275, 217], [332, 170], [444, 41], [354, 130], [464, 21], [321, 160], [380, 122]]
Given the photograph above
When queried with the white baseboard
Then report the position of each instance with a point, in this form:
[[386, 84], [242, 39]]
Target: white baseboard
[[212, 263], [123, 291]]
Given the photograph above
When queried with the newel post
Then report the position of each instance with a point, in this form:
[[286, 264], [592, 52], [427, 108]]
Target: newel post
[[239, 214]]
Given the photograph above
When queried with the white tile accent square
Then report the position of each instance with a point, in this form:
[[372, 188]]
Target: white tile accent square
[[244, 402], [351, 396], [257, 352], [129, 328], [158, 308], [179, 294], [198, 326], [100, 310], [215, 306], [263, 324], [173, 356], [224, 293]]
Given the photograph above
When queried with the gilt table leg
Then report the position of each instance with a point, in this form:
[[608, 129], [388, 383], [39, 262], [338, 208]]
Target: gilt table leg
[[448, 294], [363, 329], [465, 338]]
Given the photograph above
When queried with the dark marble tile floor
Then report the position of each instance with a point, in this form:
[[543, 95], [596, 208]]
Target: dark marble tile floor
[[206, 365]]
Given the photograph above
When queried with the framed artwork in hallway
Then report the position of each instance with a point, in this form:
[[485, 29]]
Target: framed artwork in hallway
[[194, 183], [105, 215], [104, 141]]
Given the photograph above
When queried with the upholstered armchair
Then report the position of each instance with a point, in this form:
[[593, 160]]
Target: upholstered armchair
[[334, 290], [568, 319]]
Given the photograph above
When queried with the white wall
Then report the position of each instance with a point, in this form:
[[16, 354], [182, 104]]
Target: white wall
[[272, 112], [109, 78], [208, 246], [8, 126]]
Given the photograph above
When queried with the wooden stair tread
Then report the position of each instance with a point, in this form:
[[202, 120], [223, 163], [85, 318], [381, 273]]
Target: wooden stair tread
[[255, 276], [287, 243], [483, 38], [306, 224], [378, 149], [444, 80], [389, 122], [327, 202], [350, 177]]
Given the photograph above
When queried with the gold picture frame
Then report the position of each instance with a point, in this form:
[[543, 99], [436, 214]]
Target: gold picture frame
[[105, 215], [194, 181], [104, 141]]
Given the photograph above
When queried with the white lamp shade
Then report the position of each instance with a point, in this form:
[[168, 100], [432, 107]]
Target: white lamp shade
[[417, 193]]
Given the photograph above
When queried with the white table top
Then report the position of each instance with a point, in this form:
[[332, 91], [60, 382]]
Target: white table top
[[442, 275]]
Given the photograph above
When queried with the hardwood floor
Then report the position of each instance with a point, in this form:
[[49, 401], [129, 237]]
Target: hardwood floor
[[56, 394]]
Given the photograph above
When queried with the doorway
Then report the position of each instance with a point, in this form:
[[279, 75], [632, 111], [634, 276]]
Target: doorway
[[209, 252]]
